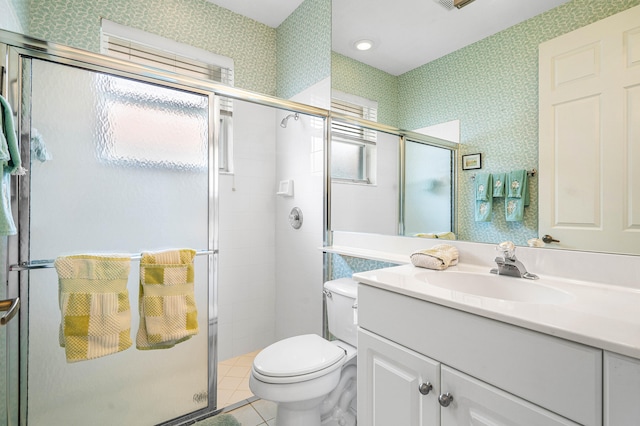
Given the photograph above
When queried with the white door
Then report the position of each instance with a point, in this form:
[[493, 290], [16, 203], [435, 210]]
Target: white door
[[590, 136], [393, 383]]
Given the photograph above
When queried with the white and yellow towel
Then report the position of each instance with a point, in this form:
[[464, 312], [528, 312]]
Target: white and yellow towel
[[440, 235], [167, 306], [438, 257], [94, 303]]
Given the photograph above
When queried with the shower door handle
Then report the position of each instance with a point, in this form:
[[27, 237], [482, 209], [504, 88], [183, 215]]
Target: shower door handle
[[11, 307]]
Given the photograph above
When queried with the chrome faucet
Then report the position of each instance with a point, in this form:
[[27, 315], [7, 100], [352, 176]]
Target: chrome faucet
[[509, 264]]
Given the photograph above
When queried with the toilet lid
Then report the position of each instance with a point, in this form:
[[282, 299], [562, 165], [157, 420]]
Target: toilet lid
[[297, 356]]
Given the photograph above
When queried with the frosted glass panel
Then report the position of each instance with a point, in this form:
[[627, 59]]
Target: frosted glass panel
[[428, 189], [124, 171], [149, 126], [347, 160]]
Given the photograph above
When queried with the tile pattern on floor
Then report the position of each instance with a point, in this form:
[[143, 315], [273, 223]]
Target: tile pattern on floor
[[257, 413], [233, 379], [233, 387]]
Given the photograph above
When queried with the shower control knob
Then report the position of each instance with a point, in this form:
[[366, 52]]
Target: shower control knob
[[425, 388], [295, 218], [445, 399]]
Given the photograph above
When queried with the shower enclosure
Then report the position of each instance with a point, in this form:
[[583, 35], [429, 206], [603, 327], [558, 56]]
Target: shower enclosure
[[122, 159]]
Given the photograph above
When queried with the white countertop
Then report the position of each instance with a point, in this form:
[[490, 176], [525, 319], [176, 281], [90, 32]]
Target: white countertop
[[602, 316]]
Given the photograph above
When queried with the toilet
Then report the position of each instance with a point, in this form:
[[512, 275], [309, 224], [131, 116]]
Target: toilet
[[313, 380]]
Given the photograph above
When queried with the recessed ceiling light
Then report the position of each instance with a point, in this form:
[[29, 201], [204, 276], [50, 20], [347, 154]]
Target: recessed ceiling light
[[363, 44]]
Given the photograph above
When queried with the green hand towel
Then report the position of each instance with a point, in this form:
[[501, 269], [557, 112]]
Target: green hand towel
[[498, 184], [517, 195], [9, 163], [483, 184], [9, 150], [483, 197]]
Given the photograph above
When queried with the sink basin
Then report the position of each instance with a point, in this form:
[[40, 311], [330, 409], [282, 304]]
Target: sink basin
[[497, 287]]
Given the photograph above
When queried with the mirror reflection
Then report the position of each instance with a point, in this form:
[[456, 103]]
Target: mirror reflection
[[489, 84]]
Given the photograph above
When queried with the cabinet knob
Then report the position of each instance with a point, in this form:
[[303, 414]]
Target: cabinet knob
[[425, 388], [549, 239], [445, 399]]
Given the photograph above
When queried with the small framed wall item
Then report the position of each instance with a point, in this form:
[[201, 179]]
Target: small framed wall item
[[471, 161]]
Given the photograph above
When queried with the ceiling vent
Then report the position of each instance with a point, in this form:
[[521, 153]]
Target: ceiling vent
[[451, 4]]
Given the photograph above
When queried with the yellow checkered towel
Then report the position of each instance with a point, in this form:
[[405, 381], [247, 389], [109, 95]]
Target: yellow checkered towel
[[167, 306], [94, 304]]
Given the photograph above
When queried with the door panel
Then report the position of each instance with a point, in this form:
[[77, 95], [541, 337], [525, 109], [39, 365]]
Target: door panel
[[391, 393], [590, 136], [476, 403], [117, 166]]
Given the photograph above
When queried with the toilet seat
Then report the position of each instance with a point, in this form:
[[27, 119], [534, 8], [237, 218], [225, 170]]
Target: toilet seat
[[297, 359]]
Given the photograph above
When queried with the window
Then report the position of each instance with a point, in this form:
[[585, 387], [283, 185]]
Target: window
[[149, 49], [353, 147]]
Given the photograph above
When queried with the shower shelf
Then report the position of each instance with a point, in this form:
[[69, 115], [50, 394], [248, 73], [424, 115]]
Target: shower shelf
[[49, 263]]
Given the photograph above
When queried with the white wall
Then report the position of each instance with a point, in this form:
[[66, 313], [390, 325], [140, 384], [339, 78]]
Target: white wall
[[269, 274], [298, 258], [8, 18], [377, 208], [246, 272]]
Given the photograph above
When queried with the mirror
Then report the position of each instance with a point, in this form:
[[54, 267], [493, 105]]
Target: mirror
[[490, 85]]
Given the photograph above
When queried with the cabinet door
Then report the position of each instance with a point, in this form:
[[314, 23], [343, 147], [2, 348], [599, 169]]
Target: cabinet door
[[479, 404], [389, 380], [621, 390]]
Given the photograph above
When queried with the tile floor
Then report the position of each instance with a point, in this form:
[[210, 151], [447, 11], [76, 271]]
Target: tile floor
[[257, 413], [233, 388], [233, 379]]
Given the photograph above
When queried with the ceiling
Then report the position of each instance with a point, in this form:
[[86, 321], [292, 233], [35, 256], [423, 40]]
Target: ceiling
[[406, 33]]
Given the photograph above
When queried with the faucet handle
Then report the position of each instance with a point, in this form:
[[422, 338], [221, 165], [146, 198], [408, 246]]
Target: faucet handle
[[508, 249]]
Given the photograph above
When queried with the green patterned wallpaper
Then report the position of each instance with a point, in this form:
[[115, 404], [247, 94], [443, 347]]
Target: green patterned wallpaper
[[304, 48], [492, 87], [202, 24], [357, 78]]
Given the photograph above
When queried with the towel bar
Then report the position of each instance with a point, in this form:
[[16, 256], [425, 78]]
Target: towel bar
[[530, 173], [48, 263]]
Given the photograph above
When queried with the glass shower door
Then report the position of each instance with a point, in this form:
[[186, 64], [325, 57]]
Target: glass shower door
[[117, 166]]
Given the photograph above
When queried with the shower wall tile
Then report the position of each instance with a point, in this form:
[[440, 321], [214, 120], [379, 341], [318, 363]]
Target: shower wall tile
[[199, 23], [299, 261], [246, 267], [304, 48], [492, 87]]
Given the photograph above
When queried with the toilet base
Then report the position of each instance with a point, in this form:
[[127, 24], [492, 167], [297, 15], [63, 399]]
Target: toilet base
[[306, 413]]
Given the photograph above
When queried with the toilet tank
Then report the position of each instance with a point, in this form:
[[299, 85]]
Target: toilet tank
[[341, 296]]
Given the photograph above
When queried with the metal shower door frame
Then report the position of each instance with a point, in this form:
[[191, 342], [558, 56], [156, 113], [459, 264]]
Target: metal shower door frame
[[19, 56]]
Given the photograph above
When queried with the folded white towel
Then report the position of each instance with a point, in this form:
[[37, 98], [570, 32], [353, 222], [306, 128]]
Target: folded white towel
[[438, 257], [441, 235]]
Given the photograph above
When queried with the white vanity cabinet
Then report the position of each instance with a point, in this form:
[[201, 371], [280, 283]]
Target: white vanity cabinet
[[402, 387], [497, 373]]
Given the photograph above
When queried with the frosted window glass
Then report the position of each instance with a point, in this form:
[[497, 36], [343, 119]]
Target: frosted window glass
[[347, 160], [126, 173], [149, 126]]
